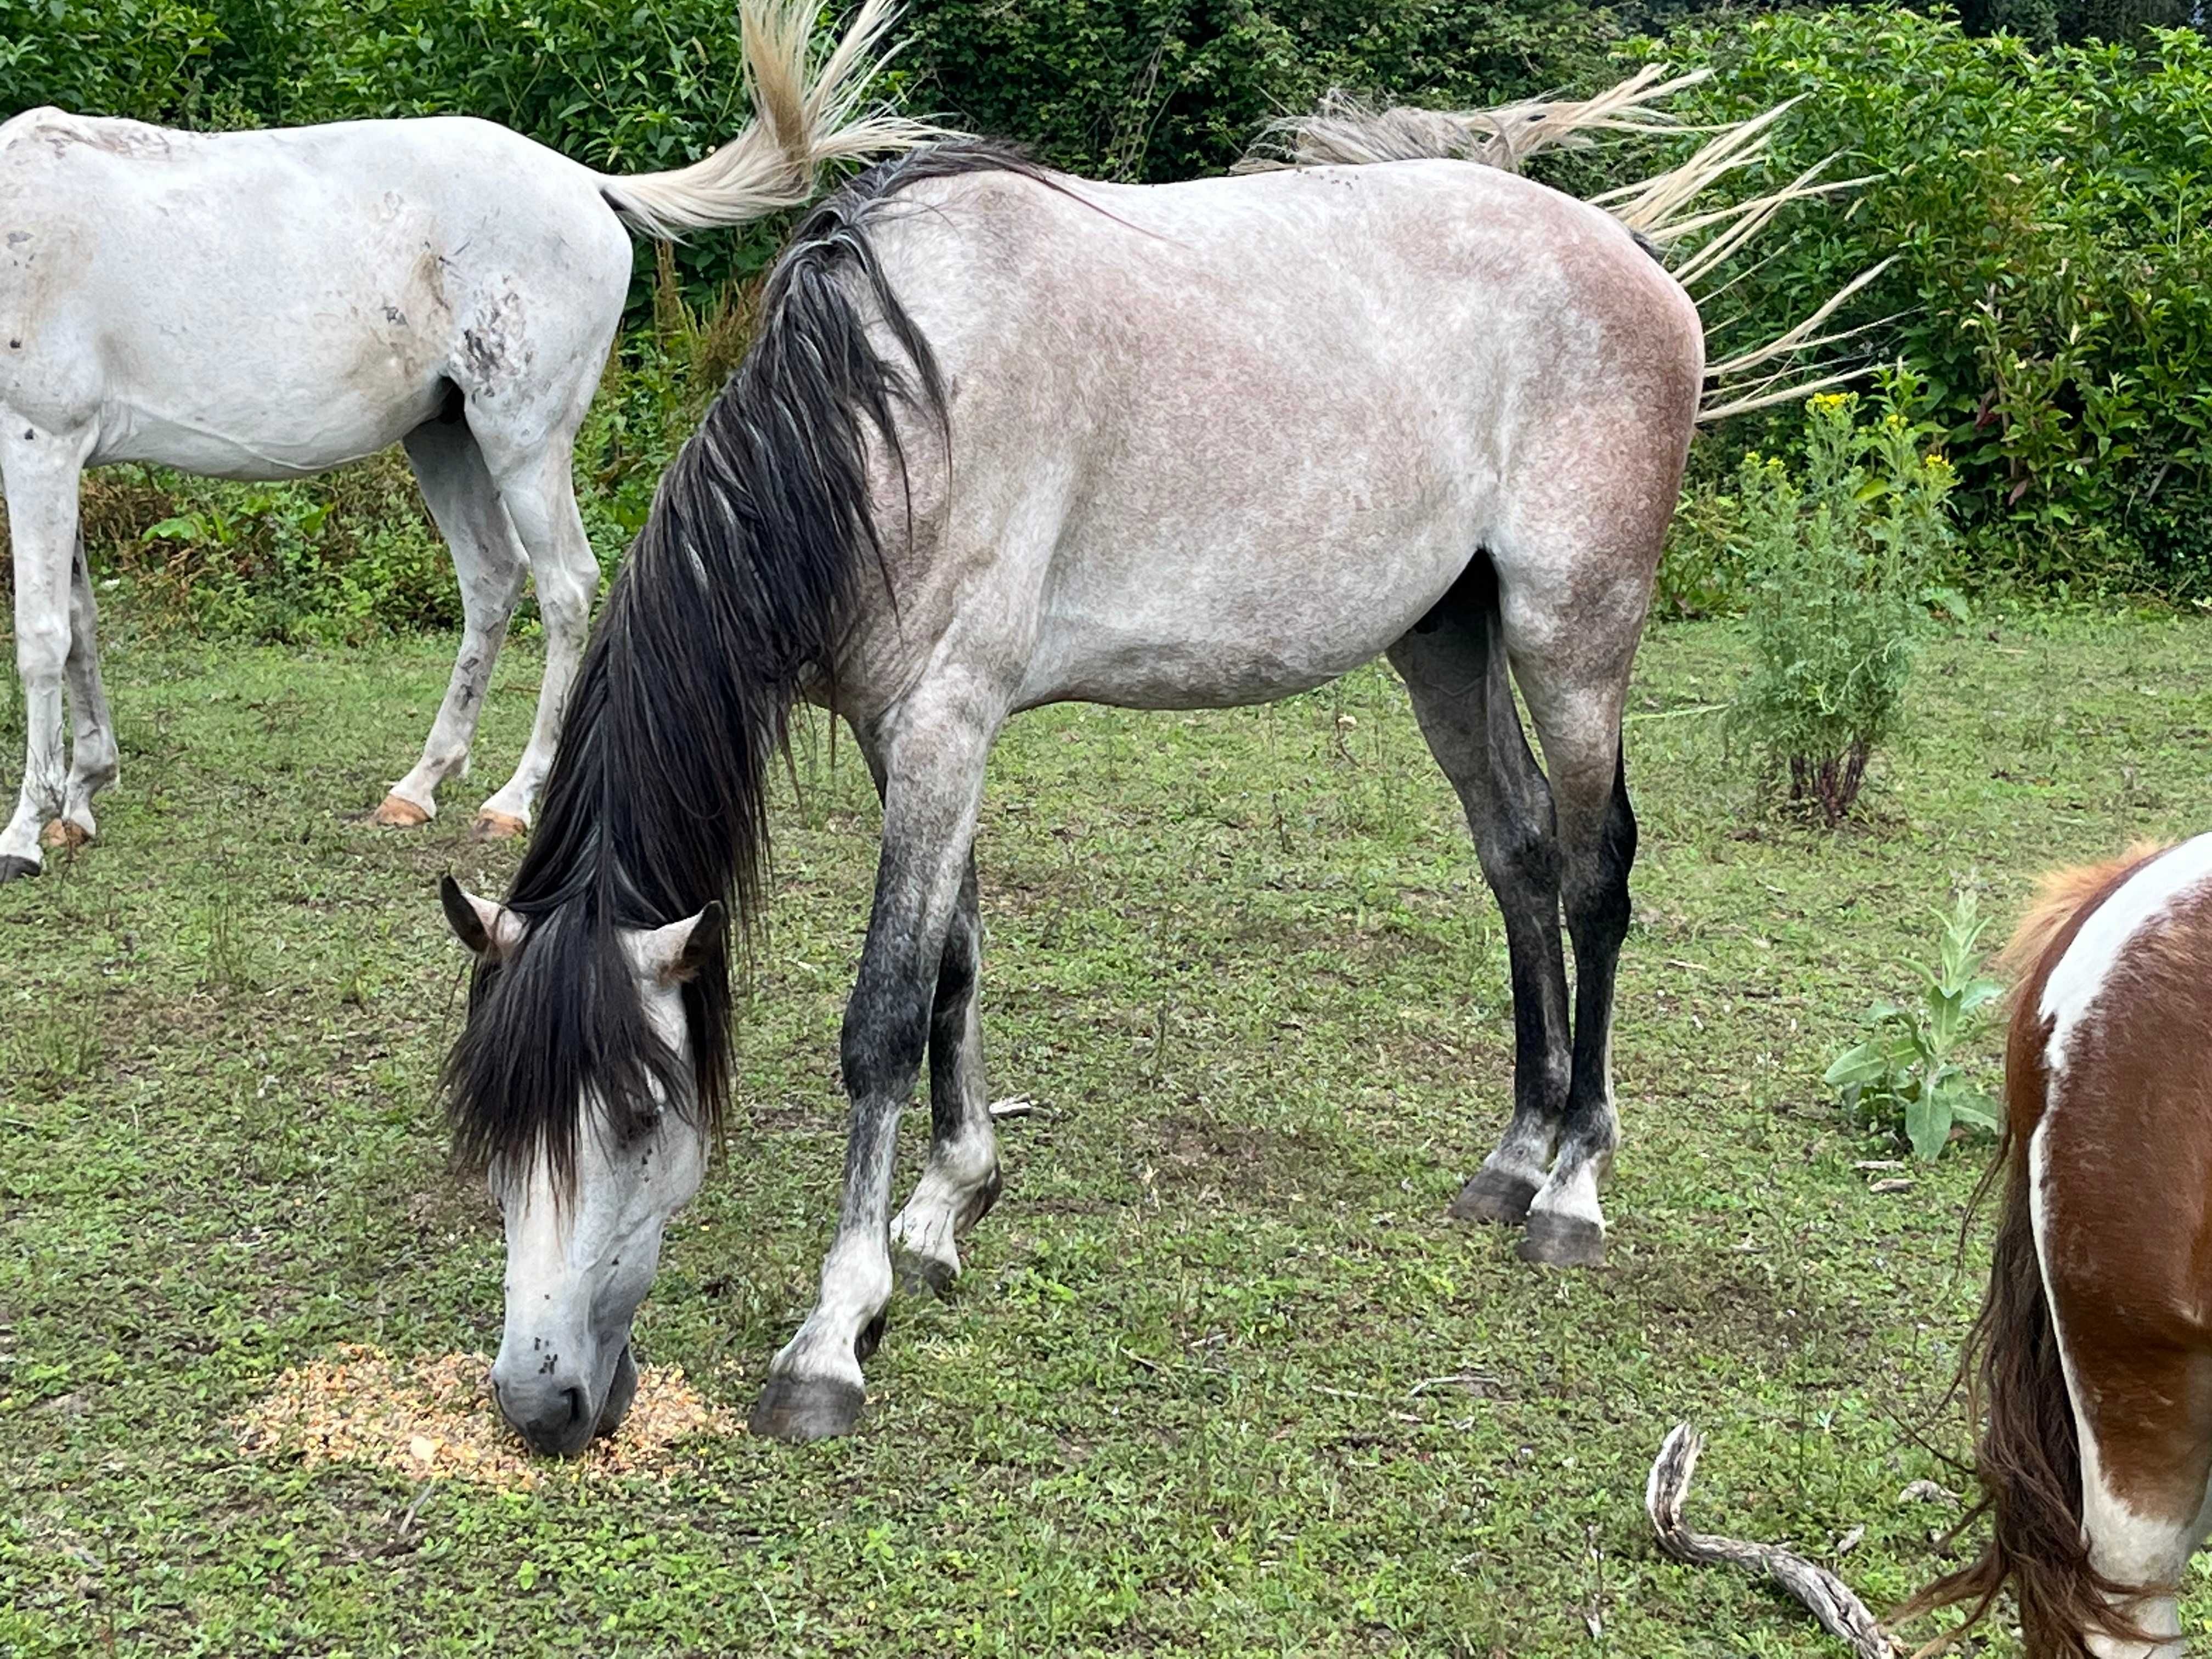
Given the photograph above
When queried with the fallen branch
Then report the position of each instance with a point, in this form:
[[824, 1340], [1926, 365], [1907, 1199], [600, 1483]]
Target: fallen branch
[[1840, 1612]]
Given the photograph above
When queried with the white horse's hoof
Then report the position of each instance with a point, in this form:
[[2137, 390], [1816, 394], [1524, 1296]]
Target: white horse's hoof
[[398, 812], [65, 834], [498, 826]]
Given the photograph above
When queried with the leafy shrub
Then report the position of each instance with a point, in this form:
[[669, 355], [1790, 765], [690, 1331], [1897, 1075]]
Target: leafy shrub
[[1905, 1078], [1838, 559], [2053, 282]]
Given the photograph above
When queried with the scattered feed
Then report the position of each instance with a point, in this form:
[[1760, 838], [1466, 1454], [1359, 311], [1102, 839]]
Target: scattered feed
[[433, 1417]]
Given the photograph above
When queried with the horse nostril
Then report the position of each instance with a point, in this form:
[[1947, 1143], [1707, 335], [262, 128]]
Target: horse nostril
[[575, 1399]]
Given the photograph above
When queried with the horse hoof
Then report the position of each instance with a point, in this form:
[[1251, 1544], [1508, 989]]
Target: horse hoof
[[620, 1392], [497, 826], [1563, 1241], [925, 1275], [1494, 1195], [398, 812], [799, 1409], [14, 869], [64, 836]]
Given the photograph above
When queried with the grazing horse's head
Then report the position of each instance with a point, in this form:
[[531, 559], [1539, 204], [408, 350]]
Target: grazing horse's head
[[576, 1088]]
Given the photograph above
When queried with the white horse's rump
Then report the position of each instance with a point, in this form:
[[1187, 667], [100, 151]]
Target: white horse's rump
[[268, 305]]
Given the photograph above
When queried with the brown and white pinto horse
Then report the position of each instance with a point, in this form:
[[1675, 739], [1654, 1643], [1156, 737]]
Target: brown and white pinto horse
[[2092, 1355]]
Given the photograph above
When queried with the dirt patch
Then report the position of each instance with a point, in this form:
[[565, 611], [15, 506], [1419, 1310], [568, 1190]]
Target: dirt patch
[[431, 1417]]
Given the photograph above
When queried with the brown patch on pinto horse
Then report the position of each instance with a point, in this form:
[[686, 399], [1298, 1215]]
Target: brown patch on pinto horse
[[2028, 1459]]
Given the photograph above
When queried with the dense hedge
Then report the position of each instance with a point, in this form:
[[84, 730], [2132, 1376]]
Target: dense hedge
[[2046, 203], [2053, 282]]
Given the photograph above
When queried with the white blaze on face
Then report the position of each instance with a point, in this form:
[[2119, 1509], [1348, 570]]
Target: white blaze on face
[[579, 1264]]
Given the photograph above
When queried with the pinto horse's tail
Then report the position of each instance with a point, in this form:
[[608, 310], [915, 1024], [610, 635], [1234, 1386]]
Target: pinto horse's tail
[[799, 122], [2028, 1459], [1667, 211]]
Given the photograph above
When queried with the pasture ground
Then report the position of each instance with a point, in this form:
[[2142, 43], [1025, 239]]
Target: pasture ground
[[1221, 1379]]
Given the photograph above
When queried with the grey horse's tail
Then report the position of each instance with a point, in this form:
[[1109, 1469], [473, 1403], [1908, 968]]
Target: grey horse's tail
[[799, 123], [1664, 212]]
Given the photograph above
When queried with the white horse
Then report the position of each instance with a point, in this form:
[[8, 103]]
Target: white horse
[[1007, 438], [268, 305]]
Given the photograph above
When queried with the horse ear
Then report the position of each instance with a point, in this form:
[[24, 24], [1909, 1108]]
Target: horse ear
[[676, 952], [490, 931]]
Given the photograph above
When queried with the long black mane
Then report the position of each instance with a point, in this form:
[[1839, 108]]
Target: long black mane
[[734, 594]]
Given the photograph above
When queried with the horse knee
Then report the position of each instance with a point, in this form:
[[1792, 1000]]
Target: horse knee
[[42, 649], [884, 1037]]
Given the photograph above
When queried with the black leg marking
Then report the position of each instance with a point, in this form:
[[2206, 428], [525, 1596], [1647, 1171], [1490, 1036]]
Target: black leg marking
[[1455, 668]]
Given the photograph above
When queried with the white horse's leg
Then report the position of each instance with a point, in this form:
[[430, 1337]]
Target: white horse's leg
[[1454, 668], [540, 493], [2138, 1538], [40, 470], [459, 490], [93, 760], [933, 758], [960, 1182]]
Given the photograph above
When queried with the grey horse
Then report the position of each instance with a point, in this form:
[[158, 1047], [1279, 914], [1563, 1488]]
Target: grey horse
[[1008, 438]]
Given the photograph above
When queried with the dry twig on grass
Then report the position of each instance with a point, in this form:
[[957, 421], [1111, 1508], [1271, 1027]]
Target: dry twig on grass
[[1841, 1613]]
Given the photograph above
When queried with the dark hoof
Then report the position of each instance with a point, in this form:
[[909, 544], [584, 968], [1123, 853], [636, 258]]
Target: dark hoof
[[924, 1275], [798, 1409], [620, 1392], [871, 1338], [1563, 1241], [980, 1206], [14, 869], [1495, 1195]]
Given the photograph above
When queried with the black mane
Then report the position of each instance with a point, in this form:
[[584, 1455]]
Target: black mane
[[734, 594]]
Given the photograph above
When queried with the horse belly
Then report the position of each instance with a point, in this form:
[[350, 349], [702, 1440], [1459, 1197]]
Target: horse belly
[[1157, 629]]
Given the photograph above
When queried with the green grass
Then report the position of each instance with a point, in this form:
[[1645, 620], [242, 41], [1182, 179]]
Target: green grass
[[1184, 1401]]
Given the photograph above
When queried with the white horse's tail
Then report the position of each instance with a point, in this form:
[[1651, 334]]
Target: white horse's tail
[[799, 122], [1663, 211]]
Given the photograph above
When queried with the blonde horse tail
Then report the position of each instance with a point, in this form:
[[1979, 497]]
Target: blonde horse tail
[[800, 122]]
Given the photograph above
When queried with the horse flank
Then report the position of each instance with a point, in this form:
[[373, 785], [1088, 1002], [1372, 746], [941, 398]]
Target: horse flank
[[732, 597]]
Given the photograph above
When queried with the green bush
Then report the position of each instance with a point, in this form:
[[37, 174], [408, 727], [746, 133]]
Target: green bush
[[1838, 559], [2052, 283]]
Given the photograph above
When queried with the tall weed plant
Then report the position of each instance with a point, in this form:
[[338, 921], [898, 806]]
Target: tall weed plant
[[1840, 549]]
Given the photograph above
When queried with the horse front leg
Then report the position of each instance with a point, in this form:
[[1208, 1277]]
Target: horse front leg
[[960, 1182], [934, 780], [39, 468]]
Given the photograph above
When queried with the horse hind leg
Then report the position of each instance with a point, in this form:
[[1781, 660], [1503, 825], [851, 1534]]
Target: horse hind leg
[[41, 468], [2145, 1506], [536, 483], [1454, 665], [94, 764], [960, 1182], [1572, 639], [459, 490]]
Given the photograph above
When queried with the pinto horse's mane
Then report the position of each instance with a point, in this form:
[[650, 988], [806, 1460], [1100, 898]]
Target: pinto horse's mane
[[734, 594], [2059, 896]]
